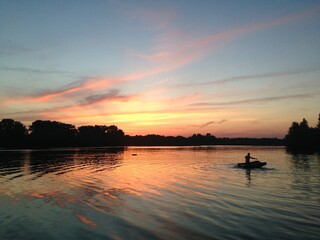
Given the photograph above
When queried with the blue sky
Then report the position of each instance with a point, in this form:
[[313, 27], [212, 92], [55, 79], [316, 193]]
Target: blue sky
[[231, 68]]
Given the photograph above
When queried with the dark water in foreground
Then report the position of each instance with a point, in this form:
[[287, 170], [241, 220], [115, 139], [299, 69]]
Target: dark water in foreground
[[158, 193]]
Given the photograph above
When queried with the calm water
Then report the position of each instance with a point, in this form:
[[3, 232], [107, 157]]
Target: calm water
[[158, 193]]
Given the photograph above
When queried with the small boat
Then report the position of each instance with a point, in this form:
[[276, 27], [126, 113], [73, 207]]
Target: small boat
[[254, 164]]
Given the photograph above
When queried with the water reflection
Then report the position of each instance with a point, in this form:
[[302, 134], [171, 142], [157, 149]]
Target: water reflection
[[40, 163], [13, 165], [12, 162], [158, 193], [305, 169], [301, 162], [248, 176], [47, 169]]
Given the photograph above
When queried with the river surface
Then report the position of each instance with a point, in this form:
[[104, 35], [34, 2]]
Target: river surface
[[158, 193]]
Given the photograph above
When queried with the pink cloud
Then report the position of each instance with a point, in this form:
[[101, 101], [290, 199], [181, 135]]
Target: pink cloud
[[172, 56]]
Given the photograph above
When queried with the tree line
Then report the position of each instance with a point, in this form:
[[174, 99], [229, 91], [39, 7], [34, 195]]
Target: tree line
[[198, 139], [46, 134], [159, 140], [302, 137]]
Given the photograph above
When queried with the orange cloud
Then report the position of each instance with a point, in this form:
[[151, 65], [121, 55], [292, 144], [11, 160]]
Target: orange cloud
[[48, 96], [86, 221]]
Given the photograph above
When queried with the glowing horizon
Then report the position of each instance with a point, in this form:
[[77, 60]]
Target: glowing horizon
[[167, 68]]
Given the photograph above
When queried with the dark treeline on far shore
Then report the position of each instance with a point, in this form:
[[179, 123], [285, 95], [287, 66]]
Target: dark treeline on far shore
[[47, 134], [198, 139]]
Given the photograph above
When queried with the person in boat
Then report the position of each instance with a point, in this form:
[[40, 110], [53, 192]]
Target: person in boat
[[248, 157]]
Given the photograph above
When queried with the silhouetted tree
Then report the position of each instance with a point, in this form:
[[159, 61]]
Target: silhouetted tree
[[12, 134], [114, 136], [316, 135], [52, 134], [301, 137], [198, 139], [100, 135], [90, 136]]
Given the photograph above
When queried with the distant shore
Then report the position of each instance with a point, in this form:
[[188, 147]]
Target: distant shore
[[197, 140], [52, 134]]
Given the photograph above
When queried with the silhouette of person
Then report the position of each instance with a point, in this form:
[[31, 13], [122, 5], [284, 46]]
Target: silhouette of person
[[248, 157]]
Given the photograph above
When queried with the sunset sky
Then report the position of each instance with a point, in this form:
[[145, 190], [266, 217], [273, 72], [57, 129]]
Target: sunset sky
[[229, 68]]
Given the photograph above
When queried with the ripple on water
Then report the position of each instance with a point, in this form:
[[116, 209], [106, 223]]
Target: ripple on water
[[161, 193]]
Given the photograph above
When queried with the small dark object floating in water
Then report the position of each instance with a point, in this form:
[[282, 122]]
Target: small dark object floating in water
[[254, 164]]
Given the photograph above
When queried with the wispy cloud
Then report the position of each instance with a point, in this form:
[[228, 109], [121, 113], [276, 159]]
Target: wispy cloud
[[212, 122], [37, 71], [45, 95], [100, 97], [253, 76], [111, 95], [87, 85], [180, 50], [12, 48], [79, 87], [141, 103], [263, 75], [256, 100]]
